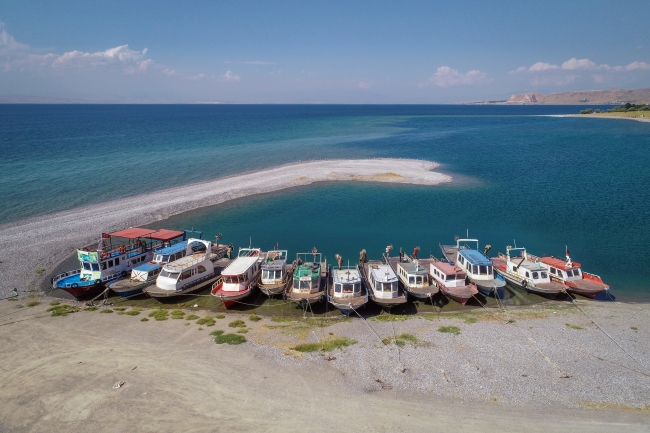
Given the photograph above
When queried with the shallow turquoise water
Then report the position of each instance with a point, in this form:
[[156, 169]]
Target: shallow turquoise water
[[545, 182]]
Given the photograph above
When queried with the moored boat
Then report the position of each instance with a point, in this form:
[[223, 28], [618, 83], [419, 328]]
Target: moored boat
[[452, 281], [115, 256], [382, 283], [309, 278], [239, 279], [570, 273], [276, 273], [188, 274], [413, 273], [526, 271], [346, 290], [476, 264]]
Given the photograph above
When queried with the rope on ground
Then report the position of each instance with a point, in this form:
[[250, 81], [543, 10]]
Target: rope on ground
[[575, 302], [368, 325]]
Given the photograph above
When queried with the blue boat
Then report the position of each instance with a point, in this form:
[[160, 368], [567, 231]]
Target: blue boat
[[116, 255], [477, 265]]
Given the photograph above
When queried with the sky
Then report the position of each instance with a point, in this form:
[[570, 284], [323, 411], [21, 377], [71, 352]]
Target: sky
[[319, 52]]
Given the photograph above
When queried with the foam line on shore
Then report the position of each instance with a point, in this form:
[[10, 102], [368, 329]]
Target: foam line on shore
[[42, 242]]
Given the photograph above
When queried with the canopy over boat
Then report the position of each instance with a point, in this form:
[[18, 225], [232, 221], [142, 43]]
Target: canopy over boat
[[138, 232]]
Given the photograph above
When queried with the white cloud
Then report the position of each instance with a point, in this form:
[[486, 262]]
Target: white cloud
[[541, 66], [447, 77], [580, 64], [229, 76], [364, 85], [637, 65], [8, 43], [170, 72], [131, 61]]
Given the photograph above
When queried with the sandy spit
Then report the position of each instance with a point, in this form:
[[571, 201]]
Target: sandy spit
[[42, 242]]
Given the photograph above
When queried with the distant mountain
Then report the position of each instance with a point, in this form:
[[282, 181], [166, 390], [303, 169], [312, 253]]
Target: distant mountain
[[587, 97]]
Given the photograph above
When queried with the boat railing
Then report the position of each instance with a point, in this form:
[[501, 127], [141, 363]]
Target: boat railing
[[195, 282], [64, 275], [179, 267]]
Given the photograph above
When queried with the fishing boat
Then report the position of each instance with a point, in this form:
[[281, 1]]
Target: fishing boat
[[569, 273], [146, 274], [116, 255], [382, 283], [188, 274], [452, 281], [528, 272], [240, 278], [309, 278], [478, 266], [346, 291], [413, 273], [276, 273]]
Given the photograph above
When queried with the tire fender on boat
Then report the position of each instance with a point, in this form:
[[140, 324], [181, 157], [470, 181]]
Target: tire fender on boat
[[74, 285], [98, 282]]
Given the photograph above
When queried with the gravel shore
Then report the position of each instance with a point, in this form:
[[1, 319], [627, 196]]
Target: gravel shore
[[31, 248], [535, 369]]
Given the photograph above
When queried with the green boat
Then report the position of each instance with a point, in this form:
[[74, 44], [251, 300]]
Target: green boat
[[309, 278]]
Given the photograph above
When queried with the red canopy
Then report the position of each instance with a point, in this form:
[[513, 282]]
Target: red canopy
[[165, 235], [133, 233]]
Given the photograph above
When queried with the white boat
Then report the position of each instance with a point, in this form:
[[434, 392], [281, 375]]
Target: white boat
[[413, 273], [526, 271], [347, 291], [452, 281], [382, 284], [240, 278], [190, 273], [276, 273], [477, 265]]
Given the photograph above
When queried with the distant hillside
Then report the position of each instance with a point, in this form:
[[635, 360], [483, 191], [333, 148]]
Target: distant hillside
[[589, 97]]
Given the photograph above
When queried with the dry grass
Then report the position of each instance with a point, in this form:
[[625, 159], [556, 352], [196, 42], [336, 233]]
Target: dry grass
[[326, 345]]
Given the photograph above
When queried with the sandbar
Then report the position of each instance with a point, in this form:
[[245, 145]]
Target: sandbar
[[40, 243]]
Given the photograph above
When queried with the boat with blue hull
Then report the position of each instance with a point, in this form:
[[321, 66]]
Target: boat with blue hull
[[116, 255], [467, 256]]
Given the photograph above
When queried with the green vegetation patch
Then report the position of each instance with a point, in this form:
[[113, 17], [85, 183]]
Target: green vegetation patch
[[178, 314], [449, 329], [568, 325], [133, 312], [219, 316], [237, 324], [39, 271], [207, 321], [326, 345], [401, 340], [254, 318], [119, 308], [217, 333], [242, 331], [144, 319], [106, 311], [62, 310], [391, 317], [54, 303], [230, 339], [90, 309], [159, 315], [192, 317], [634, 328], [33, 304]]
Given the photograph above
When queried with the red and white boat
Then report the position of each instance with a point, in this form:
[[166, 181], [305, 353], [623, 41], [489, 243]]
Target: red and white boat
[[452, 281], [570, 274], [240, 278]]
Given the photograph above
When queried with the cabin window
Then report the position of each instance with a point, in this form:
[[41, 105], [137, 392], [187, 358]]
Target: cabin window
[[553, 271], [489, 269], [155, 271], [186, 274], [183, 253], [304, 285], [95, 267], [475, 269], [134, 261], [357, 287], [484, 270], [450, 277], [103, 266], [411, 279], [167, 274], [201, 269], [117, 261], [337, 288], [348, 288], [576, 272], [110, 263], [527, 274], [535, 275], [544, 275], [86, 266]]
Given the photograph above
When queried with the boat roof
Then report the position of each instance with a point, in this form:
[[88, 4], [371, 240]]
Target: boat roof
[[138, 232], [474, 257], [274, 264], [411, 268], [447, 268], [558, 263], [531, 266], [147, 267], [311, 269], [383, 273], [173, 249], [239, 265], [346, 275]]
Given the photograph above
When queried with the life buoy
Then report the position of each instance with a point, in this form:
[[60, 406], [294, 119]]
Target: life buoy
[[152, 262], [104, 256], [74, 285], [122, 249], [98, 282]]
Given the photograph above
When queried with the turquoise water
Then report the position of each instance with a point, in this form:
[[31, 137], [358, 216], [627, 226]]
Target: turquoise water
[[543, 181]]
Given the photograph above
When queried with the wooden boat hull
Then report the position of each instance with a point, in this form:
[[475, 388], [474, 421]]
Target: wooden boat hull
[[85, 290], [272, 289], [127, 289], [547, 290], [388, 303], [460, 294], [589, 286]]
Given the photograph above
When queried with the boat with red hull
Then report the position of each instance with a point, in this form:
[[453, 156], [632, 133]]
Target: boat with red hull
[[452, 281], [239, 279], [570, 274]]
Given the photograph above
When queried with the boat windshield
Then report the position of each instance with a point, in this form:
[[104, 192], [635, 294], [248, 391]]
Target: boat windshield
[[233, 279], [167, 274], [271, 275], [455, 277], [86, 266], [573, 272], [161, 258], [417, 279], [387, 287], [302, 284]]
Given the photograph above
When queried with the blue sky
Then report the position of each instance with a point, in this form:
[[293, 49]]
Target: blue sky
[[320, 52]]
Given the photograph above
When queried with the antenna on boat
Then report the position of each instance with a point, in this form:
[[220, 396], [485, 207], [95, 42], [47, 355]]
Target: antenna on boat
[[569, 263], [515, 242], [250, 242], [467, 233]]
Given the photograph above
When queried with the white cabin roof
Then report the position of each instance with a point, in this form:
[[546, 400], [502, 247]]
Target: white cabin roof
[[383, 273], [240, 265], [342, 276]]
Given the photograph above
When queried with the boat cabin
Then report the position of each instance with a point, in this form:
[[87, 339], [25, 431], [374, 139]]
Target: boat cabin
[[240, 273], [526, 266], [562, 269], [474, 262], [187, 271], [306, 276], [383, 281], [149, 271], [274, 267], [412, 274], [347, 283], [447, 274]]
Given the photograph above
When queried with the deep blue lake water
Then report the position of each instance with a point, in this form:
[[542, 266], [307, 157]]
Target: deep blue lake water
[[520, 173]]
